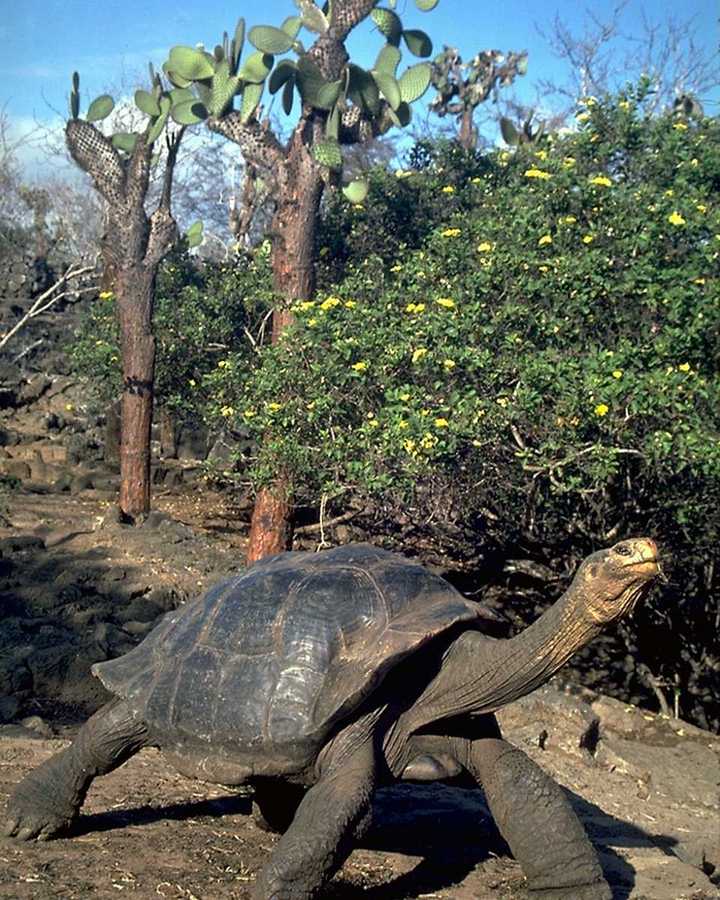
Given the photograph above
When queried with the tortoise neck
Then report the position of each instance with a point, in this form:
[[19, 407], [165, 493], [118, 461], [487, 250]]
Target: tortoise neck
[[479, 675]]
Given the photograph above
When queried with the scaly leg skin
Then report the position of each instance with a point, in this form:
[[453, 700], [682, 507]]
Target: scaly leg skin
[[322, 834], [48, 799], [537, 821]]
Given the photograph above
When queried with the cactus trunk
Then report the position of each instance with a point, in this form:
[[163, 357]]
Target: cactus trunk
[[294, 279], [135, 292]]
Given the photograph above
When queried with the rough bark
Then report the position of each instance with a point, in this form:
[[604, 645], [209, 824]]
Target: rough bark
[[133, 247], [135, 292], [294, 279]]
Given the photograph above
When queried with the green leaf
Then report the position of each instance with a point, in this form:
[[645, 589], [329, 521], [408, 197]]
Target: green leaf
[[332, 126], [146, 103], [160, 122], [269, 39], [174, 78], [100, 108], [256, 67], [285, 69], [418, 43], [250, 99], [389, 87], [189, 112], [388, 24], [426, 5], [124, 140], [357, 190], [328, 154], [190, 63], [328, 94], [362, 90], [194, 234], [509, 132], [415, 81], [312, 18], [288, 95], [178, 95], [309, 79], [388, 60], [291, 26], [236, 45]]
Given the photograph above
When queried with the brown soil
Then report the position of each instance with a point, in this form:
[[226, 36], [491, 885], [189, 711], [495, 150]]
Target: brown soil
[[645, 787]]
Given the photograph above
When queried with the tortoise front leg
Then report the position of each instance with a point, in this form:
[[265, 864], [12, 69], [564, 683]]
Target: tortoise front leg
[[323, 832], [48, 799], [537, 821]]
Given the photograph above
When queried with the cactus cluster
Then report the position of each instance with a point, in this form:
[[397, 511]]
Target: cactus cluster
[[205, 84], [514, 136]]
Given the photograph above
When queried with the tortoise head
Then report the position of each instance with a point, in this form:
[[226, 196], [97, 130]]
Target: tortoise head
[[611, 582]]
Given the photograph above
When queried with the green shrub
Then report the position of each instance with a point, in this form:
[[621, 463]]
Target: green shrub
[[546, 356]]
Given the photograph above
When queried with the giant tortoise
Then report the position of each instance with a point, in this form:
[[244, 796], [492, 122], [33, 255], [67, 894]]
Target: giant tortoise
[[319, 677]]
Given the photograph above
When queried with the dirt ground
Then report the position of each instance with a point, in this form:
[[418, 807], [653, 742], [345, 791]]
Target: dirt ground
[[646, 790]]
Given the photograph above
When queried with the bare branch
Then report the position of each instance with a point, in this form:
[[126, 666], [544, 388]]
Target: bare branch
[[49, 298]]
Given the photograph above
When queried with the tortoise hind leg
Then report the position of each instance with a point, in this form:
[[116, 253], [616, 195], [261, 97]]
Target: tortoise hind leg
[[48, 799], [324, 829], [537, 821]]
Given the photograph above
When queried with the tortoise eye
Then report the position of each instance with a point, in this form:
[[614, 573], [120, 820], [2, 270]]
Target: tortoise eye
[[623, 550]]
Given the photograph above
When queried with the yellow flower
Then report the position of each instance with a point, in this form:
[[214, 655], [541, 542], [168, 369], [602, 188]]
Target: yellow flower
[[545, 239], [448, 189], [485, 247], [306, 305], [588, 238], [312, 323], [537, 173], [373, 423], [397, 268], [544, 269], [676, 219], [359, 366], [274, 407], [415, 307], [624, 105], [583, 116], [669, 192], [404, 397], [428, 441], [403, 173], [403, 423], [680, 126], [449, 363], [69, 407], [247, 413], [329, 303], [441, 423], [450, 232], [223, 364], [617, 373], [476, 180], [568, 220], [701, 208], [409, 445], [502, 401], [698, 281], [419, 354], [226, 411], [694, 162], [106, 295], [601, 409], [447, 302], [568, 162], [192, 382], [684, 367], [601, 181], [350, 304], [541, 154]]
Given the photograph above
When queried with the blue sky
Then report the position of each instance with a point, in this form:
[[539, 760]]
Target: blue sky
[[108, 41]]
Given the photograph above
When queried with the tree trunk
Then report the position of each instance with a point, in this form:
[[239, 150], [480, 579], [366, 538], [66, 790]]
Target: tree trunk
[[468, 134], [293, 265], [135, 292]]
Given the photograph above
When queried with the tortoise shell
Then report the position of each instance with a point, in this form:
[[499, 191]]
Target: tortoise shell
[[270, 661]]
